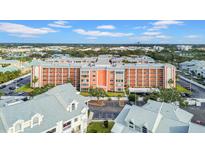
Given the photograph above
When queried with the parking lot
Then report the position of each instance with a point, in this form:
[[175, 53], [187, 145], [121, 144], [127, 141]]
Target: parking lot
[[199, 113], [9, 90], [109, 111]]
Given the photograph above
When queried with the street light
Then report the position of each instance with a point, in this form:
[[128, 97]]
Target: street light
[[190, 84]]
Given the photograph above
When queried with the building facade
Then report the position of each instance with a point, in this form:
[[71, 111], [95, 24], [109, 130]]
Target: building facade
[[103, 73], [59, 110]]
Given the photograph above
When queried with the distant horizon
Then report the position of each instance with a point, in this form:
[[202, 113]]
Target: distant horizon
[[102, 31], [133, 44]]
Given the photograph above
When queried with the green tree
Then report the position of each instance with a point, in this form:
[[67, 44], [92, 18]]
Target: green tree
[[1, 94], [35, 80], [97, 92]]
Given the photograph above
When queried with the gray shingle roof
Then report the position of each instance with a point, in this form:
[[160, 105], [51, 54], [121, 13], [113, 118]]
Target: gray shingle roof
[[48, 105], [157, 117]]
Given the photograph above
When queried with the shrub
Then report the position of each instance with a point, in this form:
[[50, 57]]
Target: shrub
[[105, 123]]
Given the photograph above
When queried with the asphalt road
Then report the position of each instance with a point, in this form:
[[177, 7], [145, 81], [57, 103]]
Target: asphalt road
[[197, 92], [16, 84]]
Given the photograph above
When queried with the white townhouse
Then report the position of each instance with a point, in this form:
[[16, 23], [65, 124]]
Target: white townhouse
[[194, 66], [60, 109], [155, 117]]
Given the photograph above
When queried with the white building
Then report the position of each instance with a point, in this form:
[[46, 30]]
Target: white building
[[184, 47], [196, 67], [60, 109], [155, 117], [158, 48]]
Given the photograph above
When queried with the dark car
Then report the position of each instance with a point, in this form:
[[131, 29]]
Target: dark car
[[19, 79], [187, 95], [12, 88], [2, 87], [19, 85]]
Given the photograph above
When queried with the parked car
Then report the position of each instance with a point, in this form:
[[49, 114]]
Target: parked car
[[20, 93], [199, 122], [19, 85], [19, 79], [187, 95], [12, 88], [3, 86]]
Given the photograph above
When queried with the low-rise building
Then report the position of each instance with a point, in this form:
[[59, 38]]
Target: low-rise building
[[158, 48], [14, 65], [184, 47], [196, 67], [155, 117], [60, 109]]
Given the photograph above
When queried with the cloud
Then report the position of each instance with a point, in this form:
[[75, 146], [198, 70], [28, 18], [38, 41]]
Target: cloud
[[91, 38], [60, 24], [140, 27], [164, 24], [106, 27], [96, 33], [153, 35], [192, 36], [20, 30]]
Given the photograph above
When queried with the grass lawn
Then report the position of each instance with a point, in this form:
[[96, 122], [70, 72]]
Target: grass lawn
[[25, 88], [182, 89], [84, 93], [97, 127], [115, 94], [109, 94]]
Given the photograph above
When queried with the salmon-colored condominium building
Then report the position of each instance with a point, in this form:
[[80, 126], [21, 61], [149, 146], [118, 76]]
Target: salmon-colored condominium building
[[105, 71]]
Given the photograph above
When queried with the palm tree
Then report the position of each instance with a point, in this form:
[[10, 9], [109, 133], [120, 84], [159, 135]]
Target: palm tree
[[170, 82], [35, 80]]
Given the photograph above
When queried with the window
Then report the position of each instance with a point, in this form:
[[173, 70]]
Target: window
[[67, 125], [73, 106], [18, 127], [131, 124], [52, 130], [119, 72], [144, 129]]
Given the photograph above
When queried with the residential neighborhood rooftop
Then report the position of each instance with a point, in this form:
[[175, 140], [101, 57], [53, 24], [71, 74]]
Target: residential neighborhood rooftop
[[156, 117]]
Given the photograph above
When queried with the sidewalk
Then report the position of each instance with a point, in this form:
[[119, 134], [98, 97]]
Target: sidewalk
[[108, 98]]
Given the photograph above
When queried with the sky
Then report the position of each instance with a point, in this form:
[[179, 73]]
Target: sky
[[103, 31]]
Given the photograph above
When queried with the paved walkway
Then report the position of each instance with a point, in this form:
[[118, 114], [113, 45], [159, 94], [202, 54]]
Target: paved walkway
[[109, 98]]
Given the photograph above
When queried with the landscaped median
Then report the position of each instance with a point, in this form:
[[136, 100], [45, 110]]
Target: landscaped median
[[34, 91], [25, 88], [100, 127], [181, 89]]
